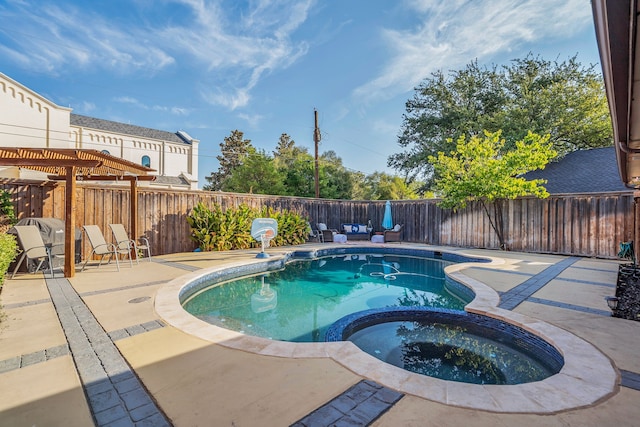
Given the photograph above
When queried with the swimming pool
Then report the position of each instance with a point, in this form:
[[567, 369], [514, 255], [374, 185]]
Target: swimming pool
[[586, 377], [300, 302]]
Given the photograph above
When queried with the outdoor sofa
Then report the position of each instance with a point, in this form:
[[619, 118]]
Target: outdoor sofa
[[355, 231]]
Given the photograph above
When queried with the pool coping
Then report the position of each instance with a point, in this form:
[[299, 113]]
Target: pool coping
[[587, 377]]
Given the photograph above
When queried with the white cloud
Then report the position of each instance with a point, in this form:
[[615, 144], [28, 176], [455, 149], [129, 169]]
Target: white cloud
[[55, 38], [240, 52], [455, 32], [178, 111], [87, 107], [129, 100], [235, 46], [252, 120]]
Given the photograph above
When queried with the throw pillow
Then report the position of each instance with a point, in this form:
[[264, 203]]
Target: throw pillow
[[322, 226]]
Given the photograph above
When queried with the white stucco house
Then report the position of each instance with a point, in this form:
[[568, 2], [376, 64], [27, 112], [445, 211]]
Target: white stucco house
[[30, 120]]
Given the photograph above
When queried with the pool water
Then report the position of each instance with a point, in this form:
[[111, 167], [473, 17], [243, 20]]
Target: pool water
[[301, 302], [454, 352]]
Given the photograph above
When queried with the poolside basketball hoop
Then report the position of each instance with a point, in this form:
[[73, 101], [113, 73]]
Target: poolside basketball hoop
[[263, 230]]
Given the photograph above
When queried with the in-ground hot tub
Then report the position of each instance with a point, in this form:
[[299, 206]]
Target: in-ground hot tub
[[450, 345]]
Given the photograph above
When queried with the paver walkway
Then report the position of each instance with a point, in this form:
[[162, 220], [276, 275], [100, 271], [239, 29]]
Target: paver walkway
[[115, 395]]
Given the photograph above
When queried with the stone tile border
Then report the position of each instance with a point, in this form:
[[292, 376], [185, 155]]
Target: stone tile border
[[114, 393], [568, 306], [587, 376], [630, 379], [122, 288], [135, 330], [26, 303], [360, 405], [514, 297], [33, 358]]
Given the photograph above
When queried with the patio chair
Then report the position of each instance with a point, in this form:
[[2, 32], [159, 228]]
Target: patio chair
[[394, 235], [314, 234], [327, 233], [123, 241], [33, 248], [99, 246]]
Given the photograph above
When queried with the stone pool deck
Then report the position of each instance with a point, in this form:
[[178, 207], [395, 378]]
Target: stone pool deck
[[92, 350]]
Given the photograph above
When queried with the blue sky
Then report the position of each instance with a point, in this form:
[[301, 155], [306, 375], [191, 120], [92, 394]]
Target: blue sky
[[211, 66]]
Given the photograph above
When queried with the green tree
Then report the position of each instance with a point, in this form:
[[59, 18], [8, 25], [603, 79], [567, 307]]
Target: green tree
[[233, 150], [561, 99], [257, 174], [287, 153], [482, 170], [382, 186], [335, 181]]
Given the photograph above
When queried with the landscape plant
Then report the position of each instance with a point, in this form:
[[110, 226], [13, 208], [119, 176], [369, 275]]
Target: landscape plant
[[8, 244], [8, 249], [482, 170], [215, 229]]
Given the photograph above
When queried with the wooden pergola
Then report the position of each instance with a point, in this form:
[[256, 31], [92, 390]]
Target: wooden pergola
[[70, 165]]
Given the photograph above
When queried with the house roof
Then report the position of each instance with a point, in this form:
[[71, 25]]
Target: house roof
[[123, 128], [583, 171], [172, 180]]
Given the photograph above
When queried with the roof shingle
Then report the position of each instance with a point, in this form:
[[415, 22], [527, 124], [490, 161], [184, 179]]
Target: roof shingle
[[584, 171], [123, 128]]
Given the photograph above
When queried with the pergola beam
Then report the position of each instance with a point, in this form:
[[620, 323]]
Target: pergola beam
[[105, 178], [50, 163]]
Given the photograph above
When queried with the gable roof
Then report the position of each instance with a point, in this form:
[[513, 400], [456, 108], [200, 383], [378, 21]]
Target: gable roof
[[582, 171], [123, 128]]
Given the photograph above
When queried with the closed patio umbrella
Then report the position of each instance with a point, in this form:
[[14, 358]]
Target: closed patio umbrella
[[387, 221]]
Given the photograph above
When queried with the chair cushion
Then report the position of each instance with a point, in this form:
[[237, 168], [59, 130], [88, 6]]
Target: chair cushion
[[322, 226], [397, 227]]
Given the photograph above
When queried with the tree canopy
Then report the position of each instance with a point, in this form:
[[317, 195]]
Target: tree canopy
[[290, 171], [484, 169], [233, 150], [561, 99]]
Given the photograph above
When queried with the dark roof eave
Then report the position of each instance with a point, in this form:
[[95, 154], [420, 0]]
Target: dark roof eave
[[613, 22]]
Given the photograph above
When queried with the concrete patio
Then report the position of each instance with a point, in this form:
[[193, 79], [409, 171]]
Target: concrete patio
[[92, 350]]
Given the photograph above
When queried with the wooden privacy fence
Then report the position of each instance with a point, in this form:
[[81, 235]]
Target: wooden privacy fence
[[583, 224]]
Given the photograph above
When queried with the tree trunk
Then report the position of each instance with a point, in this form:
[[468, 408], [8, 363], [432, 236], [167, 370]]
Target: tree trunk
[[496, 221]]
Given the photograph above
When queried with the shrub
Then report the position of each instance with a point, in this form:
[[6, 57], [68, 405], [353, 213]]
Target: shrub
[[7, 211], [8, 248], [216, 230]]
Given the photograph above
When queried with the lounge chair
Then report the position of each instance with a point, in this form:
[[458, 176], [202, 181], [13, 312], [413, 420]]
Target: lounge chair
[[123, 241], [394, 235], [99, 246], [33, 248]]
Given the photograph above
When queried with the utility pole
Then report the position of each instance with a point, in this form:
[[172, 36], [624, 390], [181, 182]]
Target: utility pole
[[316, 140]]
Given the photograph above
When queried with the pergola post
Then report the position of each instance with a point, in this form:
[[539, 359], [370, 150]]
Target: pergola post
[[70, 223], [133, 226], [636, 226]]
